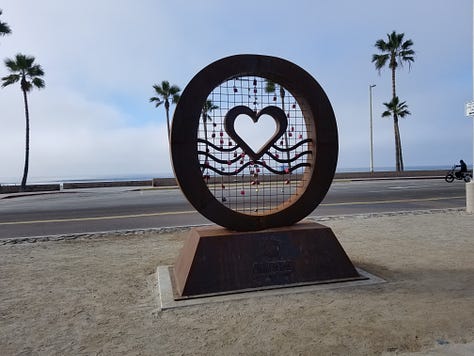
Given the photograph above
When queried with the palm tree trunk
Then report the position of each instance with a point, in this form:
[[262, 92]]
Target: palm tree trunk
[[282, 95], [394, 93], [402, 167], [400, 151], [397, 162], [27, 143], [398, 145], [167, 108], [204, 120]]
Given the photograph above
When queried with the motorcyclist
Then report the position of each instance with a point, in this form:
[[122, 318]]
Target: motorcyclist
[[463, 169]]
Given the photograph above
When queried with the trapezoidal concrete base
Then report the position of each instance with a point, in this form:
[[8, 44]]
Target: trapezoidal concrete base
[[215, 260]]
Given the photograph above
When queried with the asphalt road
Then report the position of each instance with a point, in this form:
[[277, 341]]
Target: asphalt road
[[110, 209]]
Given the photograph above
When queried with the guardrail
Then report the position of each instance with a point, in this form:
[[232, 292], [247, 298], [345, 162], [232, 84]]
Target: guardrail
[[135, 183], [5, 189], [421, 174]]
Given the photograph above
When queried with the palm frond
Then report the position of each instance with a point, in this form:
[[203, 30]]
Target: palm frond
[[38, 83], [380, 60], [395, 51], [11, 65], [174, 89], [269, 86], [381, 45], [209, 106], [35, 71], [165, 85], [23, 69], [159, 90], [398, 38], [407, 53], [403, 110], [164, 92], [407, 44], [10, 79], [395, 107], [24, 62], [157, 100], [386, 113], [4, 28], [175, 98]]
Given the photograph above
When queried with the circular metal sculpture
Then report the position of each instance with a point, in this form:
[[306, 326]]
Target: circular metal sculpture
[[240, 185]]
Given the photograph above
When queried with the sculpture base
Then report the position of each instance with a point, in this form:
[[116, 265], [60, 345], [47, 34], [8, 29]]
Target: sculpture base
[[215, 260]]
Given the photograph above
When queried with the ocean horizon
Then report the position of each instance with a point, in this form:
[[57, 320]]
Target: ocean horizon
[[149, 176]]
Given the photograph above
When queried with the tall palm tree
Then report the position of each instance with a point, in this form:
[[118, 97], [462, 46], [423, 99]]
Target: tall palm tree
[[270, 87], [395, 52], [165, 91], [4, 28], [397, 109], [23, 69]]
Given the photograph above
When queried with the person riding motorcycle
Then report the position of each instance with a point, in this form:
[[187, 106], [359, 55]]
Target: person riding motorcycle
[[463, 169]]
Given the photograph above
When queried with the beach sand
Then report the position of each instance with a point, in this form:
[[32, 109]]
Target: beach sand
[[98, 296]]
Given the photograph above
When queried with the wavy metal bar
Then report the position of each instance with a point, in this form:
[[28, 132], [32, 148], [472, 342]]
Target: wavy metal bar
[[221, 161], [235, 172], [217, 148], [308, 140], [279, 160]]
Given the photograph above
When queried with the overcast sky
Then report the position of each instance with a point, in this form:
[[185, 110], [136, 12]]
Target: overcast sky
[[101, 59]]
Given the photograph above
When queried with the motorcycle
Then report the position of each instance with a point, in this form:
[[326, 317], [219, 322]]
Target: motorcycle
[[452, 175]]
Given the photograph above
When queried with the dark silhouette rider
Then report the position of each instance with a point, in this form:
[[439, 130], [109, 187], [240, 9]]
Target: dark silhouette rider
[[463, 169]]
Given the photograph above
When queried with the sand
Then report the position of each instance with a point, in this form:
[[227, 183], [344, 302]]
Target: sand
[[97, 295]]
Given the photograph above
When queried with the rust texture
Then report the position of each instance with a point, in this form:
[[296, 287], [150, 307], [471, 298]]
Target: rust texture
[[323, 141], [215, 260]]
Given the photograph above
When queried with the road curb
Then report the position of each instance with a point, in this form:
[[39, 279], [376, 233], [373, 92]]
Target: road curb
[[174, 229]]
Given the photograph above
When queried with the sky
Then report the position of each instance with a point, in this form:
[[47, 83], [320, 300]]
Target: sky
[[94, 119]]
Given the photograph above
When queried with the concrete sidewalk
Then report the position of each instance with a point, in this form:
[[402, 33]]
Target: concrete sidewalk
[[446, 349]]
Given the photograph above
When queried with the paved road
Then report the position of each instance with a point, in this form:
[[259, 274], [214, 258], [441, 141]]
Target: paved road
[[106, 209]]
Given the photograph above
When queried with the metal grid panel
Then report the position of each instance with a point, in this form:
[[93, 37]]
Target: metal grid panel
[[238, 182]]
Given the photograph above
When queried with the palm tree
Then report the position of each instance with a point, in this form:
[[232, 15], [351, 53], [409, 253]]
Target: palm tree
[[208, 107], [395, 52], [270, 87], [23, 69], [4, 28], [397, 109], [165, 91]]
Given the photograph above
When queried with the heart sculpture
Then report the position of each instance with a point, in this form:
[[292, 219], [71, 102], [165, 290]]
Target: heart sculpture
[[275, 112]]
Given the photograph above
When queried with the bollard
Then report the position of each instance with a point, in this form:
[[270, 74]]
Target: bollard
[[470, 197]]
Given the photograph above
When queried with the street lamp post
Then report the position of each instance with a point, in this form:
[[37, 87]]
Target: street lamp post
[[371, 130], [470, 186], [472, 87]]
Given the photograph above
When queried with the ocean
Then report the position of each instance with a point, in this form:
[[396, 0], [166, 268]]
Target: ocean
[[140, 177]]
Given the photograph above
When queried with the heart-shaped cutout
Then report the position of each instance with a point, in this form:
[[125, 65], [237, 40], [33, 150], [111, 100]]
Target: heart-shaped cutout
[[255, 134], [278, 115]]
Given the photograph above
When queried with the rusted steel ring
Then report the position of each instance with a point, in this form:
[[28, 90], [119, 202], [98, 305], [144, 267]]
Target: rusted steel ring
[[316, 110]]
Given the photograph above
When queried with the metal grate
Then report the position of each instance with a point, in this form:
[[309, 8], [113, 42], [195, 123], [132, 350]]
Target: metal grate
[[253, 187]]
